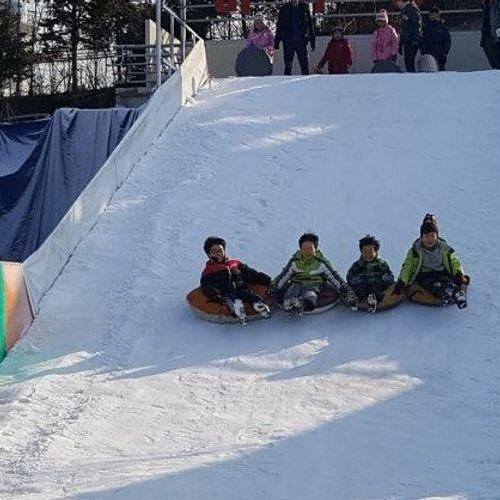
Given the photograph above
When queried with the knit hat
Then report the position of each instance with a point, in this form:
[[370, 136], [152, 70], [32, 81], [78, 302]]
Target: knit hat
[[338, 29], [369, 240], [435, 9], [382, 16], [211, 241], [313, 238], [260, 17]]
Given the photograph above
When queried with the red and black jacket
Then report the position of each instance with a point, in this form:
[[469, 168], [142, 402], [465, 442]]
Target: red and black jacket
[[221, 279]]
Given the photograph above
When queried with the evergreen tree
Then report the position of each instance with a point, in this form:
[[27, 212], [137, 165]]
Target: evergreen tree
[[64, 36], [14, 53]]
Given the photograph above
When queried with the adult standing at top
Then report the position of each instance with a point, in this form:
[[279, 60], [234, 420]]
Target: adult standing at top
[[490, 32], [295, 29], [410, 32]]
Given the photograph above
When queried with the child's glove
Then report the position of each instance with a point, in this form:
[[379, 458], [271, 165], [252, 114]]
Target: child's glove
[[394, 58], [460, 279], [351, 299], [399, 288], [276, 45]]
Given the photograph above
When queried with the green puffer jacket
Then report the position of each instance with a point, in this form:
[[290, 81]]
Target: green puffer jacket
[[316, 271], [413, 261], [375, 273]]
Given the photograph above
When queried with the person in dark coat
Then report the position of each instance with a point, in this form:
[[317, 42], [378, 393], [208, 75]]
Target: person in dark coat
[[490, 32], [225, 280], [411, 32], [295, 29], [338, 54], [370, 275], [436, 39]]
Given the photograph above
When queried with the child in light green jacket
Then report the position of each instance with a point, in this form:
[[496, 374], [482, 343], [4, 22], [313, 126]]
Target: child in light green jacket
[[433, 264], [306, 274]]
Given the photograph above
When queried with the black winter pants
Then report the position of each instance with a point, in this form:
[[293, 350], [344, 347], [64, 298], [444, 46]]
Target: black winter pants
[[437, 282], [410, 51], [363, 290], [245, 295], [492, 51], [290, 48]]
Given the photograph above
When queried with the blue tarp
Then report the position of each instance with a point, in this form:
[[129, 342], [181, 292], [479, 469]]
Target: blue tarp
[[45, 165]]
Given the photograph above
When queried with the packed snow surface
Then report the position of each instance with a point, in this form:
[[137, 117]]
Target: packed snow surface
[[120, 392]]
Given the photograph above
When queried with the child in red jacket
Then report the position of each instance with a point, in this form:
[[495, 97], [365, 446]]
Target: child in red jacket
[[338, 54]]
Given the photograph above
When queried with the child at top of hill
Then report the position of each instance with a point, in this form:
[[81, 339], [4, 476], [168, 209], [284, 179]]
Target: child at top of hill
[[225, 280], [306, 274], [436, 39], [261, 37], [433, 264], [338, 54], [385, 40], [370, 275]]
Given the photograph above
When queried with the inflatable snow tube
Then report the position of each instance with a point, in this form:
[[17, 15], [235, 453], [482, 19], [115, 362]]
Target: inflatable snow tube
[[420, 295], [328, 299], [220, 313], [388, 300], [387, 66], [253, 61], [427, 64]]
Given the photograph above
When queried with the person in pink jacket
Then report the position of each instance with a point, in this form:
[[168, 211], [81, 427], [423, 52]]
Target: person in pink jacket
[[261, 36], [385, 39]]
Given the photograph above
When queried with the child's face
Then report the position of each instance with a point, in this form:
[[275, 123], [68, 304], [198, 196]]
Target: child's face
[[433, 16], [259, 25], [368, 253], [429, 240], [337, 35], [380, 23], [308, 249], [217, 253]]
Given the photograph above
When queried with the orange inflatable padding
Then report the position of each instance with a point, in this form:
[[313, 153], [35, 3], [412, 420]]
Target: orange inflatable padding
[[327, 299], [220, 313], [420, 295], [388, 300]]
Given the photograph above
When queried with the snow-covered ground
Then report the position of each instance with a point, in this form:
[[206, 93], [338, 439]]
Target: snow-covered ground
[[120, 392]]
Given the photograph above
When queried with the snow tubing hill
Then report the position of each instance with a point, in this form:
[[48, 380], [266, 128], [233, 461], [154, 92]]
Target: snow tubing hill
[[327, 299], [220, 313], [388, 300]]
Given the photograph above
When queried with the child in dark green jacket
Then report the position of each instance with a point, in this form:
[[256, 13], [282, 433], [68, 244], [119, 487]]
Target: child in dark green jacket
[[370, 275]]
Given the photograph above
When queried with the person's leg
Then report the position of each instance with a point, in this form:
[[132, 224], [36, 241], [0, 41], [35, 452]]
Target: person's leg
[[248, 296], [491, 53], [301, 50], [288, 53], [439, 284], [294, 290], [361, 291], [441, 62], [496, 52], [309, 297], [410, 51]]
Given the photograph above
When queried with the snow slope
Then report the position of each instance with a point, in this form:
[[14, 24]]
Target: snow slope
[[120, 392]]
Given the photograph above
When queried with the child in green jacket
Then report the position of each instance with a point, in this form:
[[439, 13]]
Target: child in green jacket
[[370, 275], [306, 274], [433, 264]]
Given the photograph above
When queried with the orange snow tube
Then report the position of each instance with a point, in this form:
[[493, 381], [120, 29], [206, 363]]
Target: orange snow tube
[[420, 295], [220, 313], [388, 300]]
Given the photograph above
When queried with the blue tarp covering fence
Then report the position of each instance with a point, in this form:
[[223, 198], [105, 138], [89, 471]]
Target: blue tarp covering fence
[[45, 165]]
